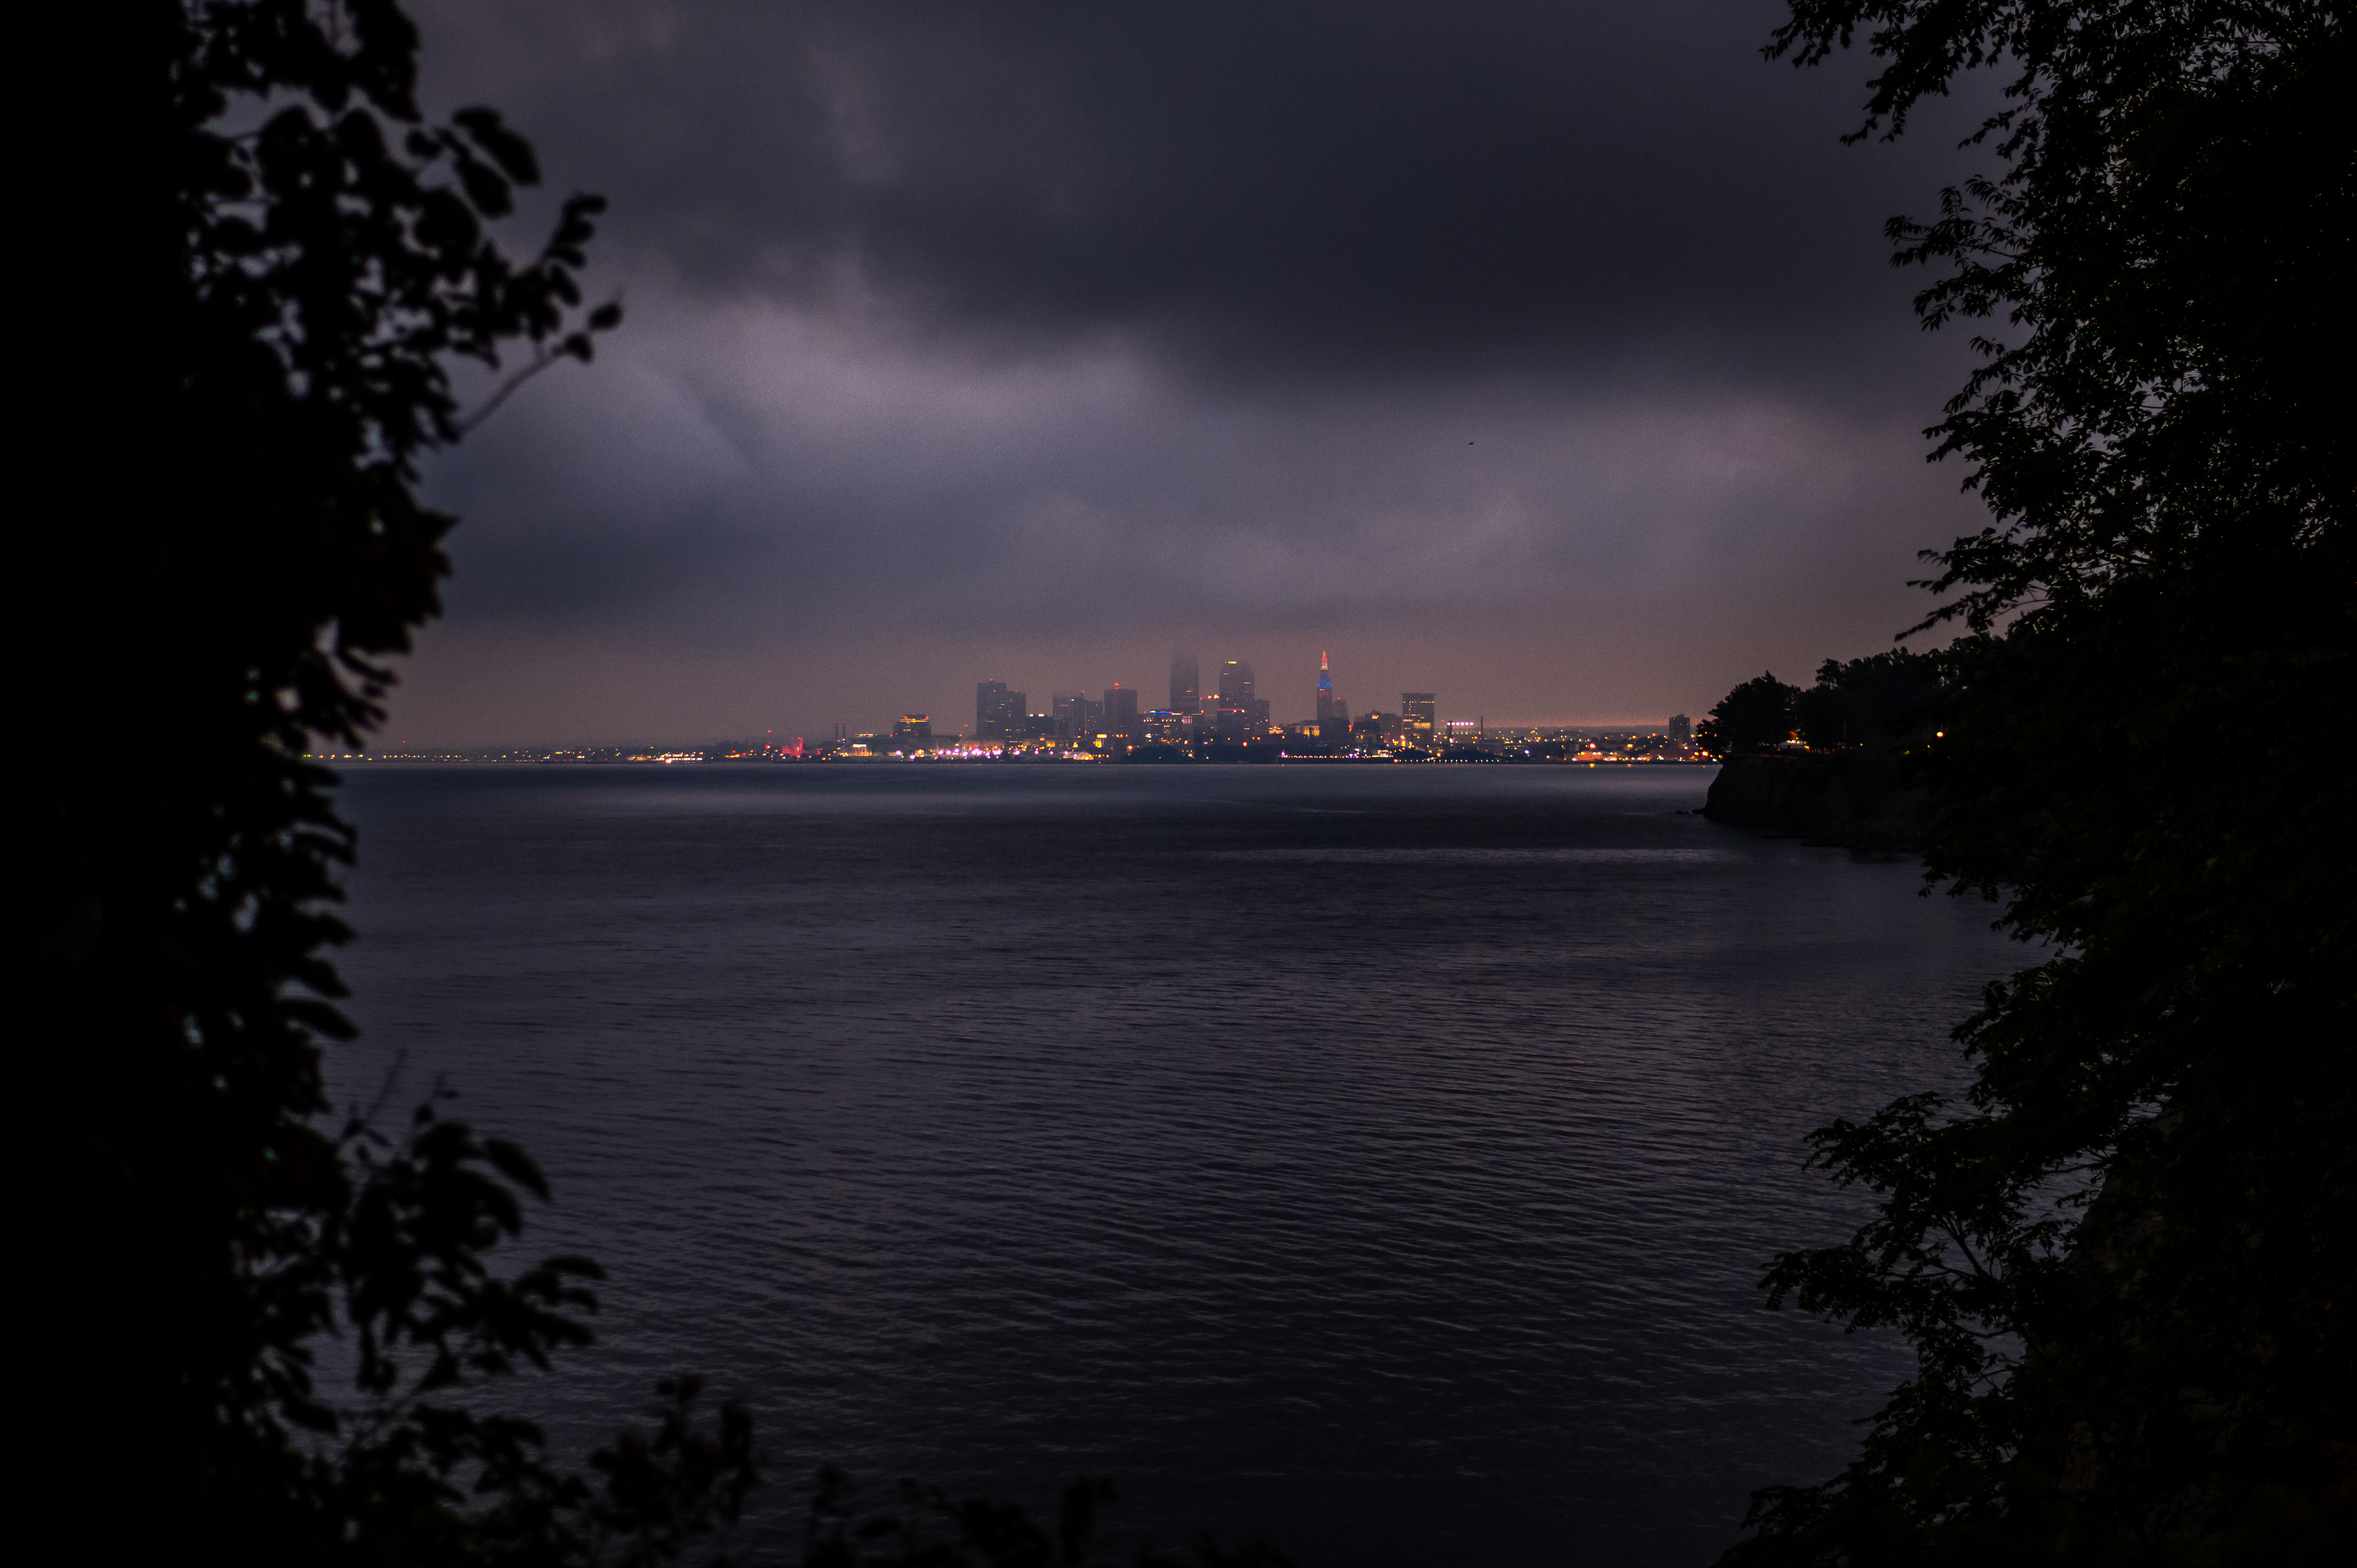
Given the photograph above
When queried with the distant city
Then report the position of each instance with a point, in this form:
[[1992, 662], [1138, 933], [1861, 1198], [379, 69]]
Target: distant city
[[1229, 722]]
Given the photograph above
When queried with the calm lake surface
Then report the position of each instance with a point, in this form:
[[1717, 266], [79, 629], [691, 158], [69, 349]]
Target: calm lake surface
[[1376, 1160]]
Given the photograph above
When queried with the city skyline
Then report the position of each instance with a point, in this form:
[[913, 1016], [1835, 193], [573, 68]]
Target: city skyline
[[959, 713], [1068, 720], [1115, 722]]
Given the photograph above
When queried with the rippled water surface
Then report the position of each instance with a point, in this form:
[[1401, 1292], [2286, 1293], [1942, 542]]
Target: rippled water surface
[[1375, 1160]]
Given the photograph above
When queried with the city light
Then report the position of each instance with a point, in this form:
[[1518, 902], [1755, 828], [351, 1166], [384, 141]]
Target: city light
[[1229, 724]]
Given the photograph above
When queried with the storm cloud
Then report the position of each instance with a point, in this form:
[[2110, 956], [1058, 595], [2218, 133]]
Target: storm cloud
[[1547, 356]]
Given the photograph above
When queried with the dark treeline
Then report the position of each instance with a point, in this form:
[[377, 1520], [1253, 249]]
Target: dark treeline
[[2121, 1256], [1827, 762], [1852, 703]]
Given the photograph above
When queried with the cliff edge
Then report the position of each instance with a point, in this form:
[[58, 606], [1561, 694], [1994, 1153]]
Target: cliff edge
[[1847, 798]]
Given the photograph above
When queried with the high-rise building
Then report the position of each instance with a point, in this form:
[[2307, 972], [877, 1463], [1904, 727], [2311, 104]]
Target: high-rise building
[[996, 709], [1681, 728], [1031, 726], [1325, 693], [1229, 724], [1415, 716], [1186, 685], [1076, 715], [915, 729], [1235, 684], [1121, 711]]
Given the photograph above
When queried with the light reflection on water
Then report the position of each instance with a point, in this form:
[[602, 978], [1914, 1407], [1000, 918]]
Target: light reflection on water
[[1378, 1160]]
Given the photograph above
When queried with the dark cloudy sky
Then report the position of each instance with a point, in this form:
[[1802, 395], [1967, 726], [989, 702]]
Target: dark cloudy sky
[[1544, 355]]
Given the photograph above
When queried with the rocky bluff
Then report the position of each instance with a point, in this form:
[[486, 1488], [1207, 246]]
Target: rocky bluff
[[1848, 799]]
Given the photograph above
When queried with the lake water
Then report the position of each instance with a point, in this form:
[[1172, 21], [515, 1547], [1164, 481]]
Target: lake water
[[1375, 1160]]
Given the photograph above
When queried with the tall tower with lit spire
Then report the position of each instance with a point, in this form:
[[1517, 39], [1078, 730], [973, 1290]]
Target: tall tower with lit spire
[[1325, 691]]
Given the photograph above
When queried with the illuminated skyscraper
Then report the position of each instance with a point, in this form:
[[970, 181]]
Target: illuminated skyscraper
[[1325, 693], [1415, 716], [1186, 685]]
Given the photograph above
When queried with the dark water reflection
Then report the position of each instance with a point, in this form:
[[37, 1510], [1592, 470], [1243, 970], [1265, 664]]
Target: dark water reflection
[[1376, 1160]]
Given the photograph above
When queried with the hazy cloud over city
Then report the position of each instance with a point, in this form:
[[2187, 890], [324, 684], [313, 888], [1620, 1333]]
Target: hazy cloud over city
[[1545, 356]]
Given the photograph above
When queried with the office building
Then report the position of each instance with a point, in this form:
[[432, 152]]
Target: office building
[[1681, 728], [997, 712], [1186, 685], [1031, 726], [1415, 716], [1236, 695], [1121, 711], [1076, 715], [1325, 693], [1235, 684]]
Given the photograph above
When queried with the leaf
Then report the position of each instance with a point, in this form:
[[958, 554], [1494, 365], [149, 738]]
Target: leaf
[[485, 190], [510, 151], [512, 1163]]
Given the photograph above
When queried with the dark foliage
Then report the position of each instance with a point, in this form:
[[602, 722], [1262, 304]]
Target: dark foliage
[[1852, 703], [1876, 701], [924, 1526], [1754, 716], [2120, 1260], [1817, 715], [285, 261], [1855, 703]]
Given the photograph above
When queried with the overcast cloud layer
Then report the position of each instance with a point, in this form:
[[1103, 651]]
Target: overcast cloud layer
[[1545, 355]]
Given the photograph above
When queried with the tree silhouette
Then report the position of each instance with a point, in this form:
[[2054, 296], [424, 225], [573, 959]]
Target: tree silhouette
[[2118, 1258], [287, 260], [1755, 716]]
